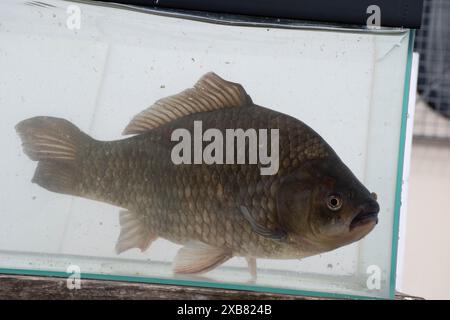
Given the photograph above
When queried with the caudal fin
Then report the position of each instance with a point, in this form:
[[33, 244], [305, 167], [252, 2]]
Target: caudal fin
[[57, 145]]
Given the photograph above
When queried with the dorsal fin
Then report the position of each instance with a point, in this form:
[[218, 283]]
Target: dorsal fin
[[211, 92]]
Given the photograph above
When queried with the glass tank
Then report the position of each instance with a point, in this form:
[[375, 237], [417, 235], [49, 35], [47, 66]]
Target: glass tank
[[99, 175]]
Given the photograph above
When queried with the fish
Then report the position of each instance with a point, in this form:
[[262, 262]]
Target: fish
[[312, 204]]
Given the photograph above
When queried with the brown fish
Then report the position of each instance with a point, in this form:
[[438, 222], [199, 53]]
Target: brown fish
[[313, 204]]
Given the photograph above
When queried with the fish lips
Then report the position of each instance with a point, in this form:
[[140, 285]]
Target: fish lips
[[367, 214]]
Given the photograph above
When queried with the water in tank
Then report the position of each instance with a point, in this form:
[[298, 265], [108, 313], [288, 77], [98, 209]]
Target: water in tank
[[156, 146]]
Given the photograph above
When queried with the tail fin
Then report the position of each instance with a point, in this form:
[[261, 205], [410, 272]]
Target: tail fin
[[56, 144]]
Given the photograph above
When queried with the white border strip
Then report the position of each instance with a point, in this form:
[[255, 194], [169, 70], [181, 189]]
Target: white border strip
[[406, 170]]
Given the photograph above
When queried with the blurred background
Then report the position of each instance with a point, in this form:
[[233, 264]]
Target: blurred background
[[426, 265]]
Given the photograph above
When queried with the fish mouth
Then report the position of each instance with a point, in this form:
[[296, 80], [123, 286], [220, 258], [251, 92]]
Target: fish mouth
[[367, 214]]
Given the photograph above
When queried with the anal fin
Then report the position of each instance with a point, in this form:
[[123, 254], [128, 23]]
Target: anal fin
[[133, 233], [197, 257]]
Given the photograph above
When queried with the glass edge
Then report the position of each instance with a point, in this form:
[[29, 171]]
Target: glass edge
[[400, 164], [245, 20], [191, 283]]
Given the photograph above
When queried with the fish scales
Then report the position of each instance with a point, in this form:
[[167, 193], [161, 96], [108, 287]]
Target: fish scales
[[200, 202], [312, 204]]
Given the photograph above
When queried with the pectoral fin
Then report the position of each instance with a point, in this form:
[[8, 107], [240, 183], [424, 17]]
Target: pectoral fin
[[278, 235], [198, 257], [133, 233]]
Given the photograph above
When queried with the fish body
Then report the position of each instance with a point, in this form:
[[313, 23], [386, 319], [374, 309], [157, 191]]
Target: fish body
[[312, 204]]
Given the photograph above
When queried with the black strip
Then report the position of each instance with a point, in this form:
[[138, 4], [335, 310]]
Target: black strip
[[394, 13]]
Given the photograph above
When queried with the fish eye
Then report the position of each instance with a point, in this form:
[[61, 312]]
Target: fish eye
[[334, 202]]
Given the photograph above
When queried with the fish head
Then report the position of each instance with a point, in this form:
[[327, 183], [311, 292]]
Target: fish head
[[323, 204]]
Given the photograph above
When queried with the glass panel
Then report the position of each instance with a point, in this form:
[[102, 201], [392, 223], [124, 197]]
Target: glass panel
[[99, 66]]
